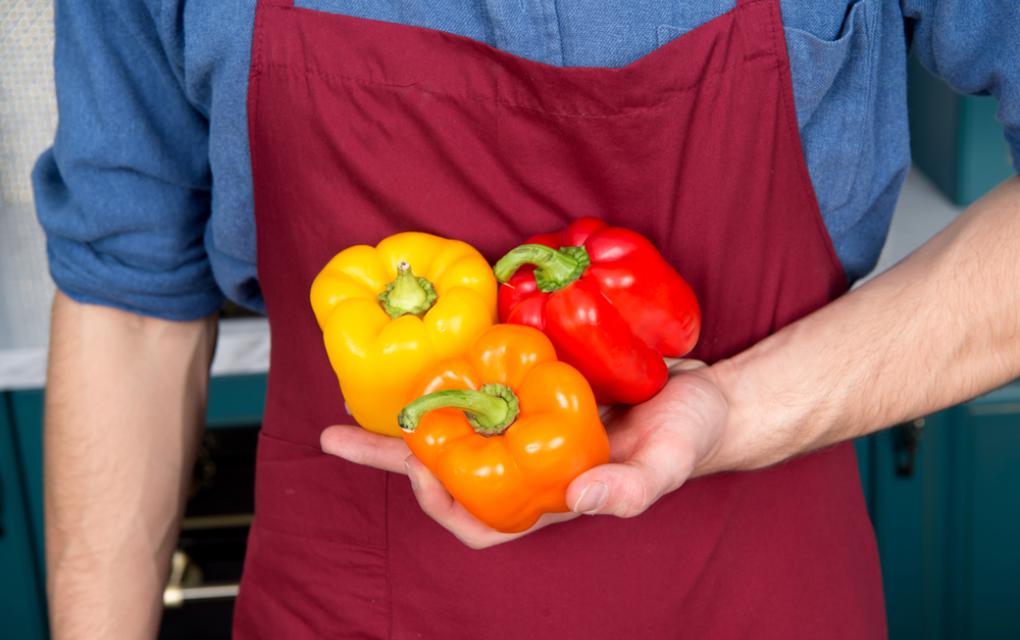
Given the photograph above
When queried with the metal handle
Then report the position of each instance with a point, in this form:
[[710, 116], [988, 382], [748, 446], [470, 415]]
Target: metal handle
[[906, 441], [174, 597], [183, 571]]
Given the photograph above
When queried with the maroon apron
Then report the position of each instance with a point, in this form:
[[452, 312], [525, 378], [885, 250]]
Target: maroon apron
[[360, 129]]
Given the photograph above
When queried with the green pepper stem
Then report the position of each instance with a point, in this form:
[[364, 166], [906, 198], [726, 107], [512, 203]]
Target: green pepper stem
[[554, 268], [490, 410], [408, 294]]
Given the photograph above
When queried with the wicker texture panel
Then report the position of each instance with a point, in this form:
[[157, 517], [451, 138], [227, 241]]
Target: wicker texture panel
[[28, 116]]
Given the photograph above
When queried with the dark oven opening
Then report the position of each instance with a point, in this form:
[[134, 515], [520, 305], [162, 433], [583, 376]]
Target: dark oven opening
[[199, 597]]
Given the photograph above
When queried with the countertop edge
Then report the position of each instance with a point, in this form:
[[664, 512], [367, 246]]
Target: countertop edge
[[242, 348]]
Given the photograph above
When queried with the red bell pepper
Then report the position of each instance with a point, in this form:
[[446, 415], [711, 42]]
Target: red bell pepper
[[611, 304]]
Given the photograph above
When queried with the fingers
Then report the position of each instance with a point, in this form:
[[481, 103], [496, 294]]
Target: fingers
[[655, 446], [357, 445], [431, 494], [608, 412], [620, 489], [628, 488], [675, 366], [679, 365], [441, 507]]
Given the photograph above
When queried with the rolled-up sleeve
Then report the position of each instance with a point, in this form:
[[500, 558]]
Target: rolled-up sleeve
[[124, 193], [974, 45]]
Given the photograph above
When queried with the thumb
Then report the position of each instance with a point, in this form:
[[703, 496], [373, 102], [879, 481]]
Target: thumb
[[621, 489]]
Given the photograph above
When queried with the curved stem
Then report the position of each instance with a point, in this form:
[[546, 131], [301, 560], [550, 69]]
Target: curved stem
[[490, 410], [554, 268], [407, 294]]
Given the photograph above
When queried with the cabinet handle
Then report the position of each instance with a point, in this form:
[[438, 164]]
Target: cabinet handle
[[906, 441], [174, 597], [182, 571]]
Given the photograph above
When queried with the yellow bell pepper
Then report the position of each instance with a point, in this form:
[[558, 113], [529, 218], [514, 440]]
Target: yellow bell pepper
[[389, 312]]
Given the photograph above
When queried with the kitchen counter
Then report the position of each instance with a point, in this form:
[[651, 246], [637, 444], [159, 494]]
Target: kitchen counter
[[243, 347], [244, 343]]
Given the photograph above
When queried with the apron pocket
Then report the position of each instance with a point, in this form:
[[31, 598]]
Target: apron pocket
[[303, 492], [832, 86], [833, 89]]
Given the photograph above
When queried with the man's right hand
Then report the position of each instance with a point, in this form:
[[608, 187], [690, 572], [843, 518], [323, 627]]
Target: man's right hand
[[125, 399]]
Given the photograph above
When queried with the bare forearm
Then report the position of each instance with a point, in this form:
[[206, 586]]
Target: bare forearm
[[124, 401], [939, 328]]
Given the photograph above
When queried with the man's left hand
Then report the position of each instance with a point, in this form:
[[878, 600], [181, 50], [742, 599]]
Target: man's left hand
[[655, 447]]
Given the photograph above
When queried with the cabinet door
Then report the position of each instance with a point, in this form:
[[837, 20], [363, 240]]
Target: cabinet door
[[22, 594], [984, 582], [909, 512], [947, 531], [26, 420], [234, 401]]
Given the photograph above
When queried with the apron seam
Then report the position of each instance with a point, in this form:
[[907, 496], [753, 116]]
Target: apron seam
[[336, 537], [258, 33], [254, 94], [790, 114], [303, 445], [335, 78]]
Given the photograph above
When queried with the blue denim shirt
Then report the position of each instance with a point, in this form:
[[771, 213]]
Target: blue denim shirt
[[146, 195]]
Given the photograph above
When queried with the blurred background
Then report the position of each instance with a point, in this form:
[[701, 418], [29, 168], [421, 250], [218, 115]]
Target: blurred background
[[942, 491]]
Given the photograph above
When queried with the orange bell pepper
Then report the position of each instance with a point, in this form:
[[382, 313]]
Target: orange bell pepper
[[506, 427]]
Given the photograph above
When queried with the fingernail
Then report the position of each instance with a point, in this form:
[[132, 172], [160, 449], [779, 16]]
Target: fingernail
[[593, 497]]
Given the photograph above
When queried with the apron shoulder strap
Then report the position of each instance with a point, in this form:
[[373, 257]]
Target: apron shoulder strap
[[278, 3]]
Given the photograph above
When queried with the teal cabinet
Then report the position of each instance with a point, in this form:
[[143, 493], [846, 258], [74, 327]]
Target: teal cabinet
[[948, 531], [956, 140], [234, 401], [22, 590], [984, 519], [26, 422]]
